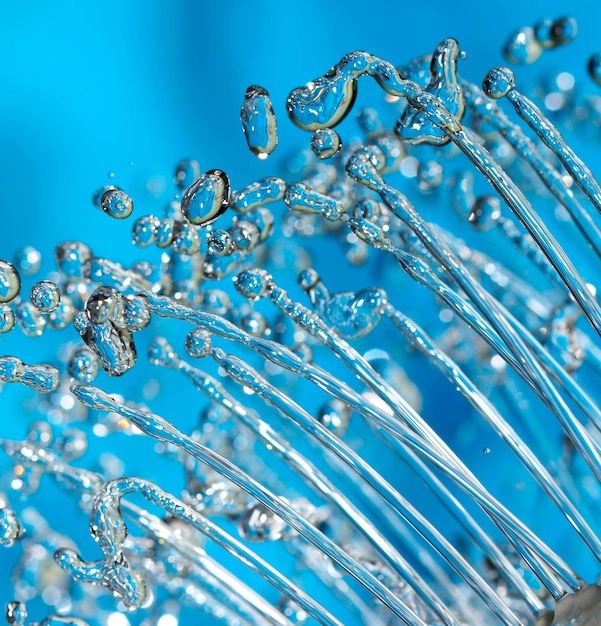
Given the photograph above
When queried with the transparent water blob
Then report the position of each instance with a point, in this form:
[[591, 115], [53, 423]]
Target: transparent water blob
[[523, 46], [10, 281], [325, 143], [45, 296], [116, 203], [28, 260], [186, 172], [207, 198], [259, 122]]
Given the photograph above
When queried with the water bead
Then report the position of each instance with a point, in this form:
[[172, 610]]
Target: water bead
[[61, 316], [485, 213], [186, 239], [259, 122], [144, 230], [186, 172], [543, 32], [30, 320], [102, 304], [16, 613], [220, 242], [256, 194], [198, 343], [498, 82], [564, 30], [207, 198], [45, 296], [116, 203], [523, 47], [71, 258], [164, 233], [10, 281], [254, 323], [136, 312], [259, 524], [28, 261], [429, 175], [325, 143], [594, 67], [83, 366], [7, 318], [253, 284]]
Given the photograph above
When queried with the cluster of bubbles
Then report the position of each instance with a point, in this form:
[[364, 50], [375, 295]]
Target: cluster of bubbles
[[309, 402]]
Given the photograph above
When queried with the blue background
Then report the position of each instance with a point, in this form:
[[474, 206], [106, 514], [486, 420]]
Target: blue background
[[130, 88]]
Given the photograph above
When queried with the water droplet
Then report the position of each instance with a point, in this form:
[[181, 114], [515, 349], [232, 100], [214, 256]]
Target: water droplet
[[83, 366], [7, 318], [258, 193], [207, 198], [116, 203], [45, 296], [523, 46], [186, 172], [594, 67], [30, 320], [253, 284], [564, 30], [198, 343], [71, 257], [325, 143], [220, 242], [485, 213], [10, 281], [16, 613], [259, 524], [144, 229], [102, 304], [186, 239], [543, 33], [429, 175], [28, 261], [259, 122], [498, 82], [136, 312]]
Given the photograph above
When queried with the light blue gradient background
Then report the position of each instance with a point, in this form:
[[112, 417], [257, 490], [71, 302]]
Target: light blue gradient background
[[88, 87]]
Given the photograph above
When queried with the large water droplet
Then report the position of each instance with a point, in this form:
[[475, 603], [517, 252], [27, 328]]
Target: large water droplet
[[259, 122], [207, 198], [10, 281]]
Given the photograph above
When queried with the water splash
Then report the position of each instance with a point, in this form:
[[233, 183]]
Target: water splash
[[355, 498]]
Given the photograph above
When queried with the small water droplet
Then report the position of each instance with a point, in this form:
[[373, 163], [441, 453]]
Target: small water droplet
[[45, 296], [325, 143], [116, 203], [10, 281]]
